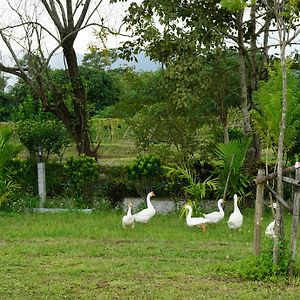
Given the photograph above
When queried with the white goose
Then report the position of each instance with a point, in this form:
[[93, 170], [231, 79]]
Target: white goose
[[235, 220], [146, 214], [128, 219], [270, 228], [193, 221], [215, 216]]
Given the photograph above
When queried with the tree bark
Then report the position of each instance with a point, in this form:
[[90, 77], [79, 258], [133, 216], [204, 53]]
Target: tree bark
[[242, 71], [279, 236], [255, 146], [259, 205]]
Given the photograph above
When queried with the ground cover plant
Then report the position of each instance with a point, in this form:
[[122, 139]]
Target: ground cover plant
[[90, 256]]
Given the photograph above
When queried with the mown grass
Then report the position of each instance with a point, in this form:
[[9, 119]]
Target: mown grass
[[90, 256]]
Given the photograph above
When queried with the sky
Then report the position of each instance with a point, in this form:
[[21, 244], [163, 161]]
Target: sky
[[111, 13]]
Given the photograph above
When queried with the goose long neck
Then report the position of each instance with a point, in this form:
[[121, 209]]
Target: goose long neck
[[149, 204], [235, 204], [129, 211], [189, 214], [236, 208], [220, 206]]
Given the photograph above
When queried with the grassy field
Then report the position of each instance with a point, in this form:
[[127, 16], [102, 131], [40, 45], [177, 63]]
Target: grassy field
[[90, 256]]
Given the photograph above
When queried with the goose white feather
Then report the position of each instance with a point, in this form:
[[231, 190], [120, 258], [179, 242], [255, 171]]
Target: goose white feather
[[128, 219], [194, 221], [235, 220], [146, 214], [270, 232], [215, 216]]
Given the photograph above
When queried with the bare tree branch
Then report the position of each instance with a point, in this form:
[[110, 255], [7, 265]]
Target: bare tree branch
[[53, 15]]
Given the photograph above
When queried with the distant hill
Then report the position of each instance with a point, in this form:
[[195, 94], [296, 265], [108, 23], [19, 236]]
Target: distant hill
[[143, 62]]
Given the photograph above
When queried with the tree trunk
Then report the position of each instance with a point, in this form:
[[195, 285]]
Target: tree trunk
[[279, 236], [253, 152], [80, 129], [77, 120], [253, 49], [242, 70], [264, 75], [255, 146], [223, 113]]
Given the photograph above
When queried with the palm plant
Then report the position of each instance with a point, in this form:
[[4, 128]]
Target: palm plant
[[8, 151], [229, 167], [194, 189]]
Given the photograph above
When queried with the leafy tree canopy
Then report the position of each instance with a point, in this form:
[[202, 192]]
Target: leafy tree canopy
[[266, 118]]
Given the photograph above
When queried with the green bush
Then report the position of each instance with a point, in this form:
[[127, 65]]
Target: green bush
[[20, 202], [83, 174], [262, 267], [8, 151], [49, 134], [146, 173], [113, 185], [24, 173]]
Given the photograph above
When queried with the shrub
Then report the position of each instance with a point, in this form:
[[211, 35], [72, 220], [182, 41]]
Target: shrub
[[113, 185], [24, 173], [8, 151], [262, 267], [20, 202], [49, 134], [83, 173], [146, 172]]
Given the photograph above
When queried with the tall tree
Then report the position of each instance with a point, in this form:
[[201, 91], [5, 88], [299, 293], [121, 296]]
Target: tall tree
[[245, 34], [287, 16], [187, 43], [36, 26], [190, 29]]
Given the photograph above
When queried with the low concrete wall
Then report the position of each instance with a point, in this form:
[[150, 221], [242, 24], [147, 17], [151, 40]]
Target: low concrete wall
[[161, 205], [57, 210], [166, 205]]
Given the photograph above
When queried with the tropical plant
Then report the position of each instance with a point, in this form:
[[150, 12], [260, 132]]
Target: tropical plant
[[7, 188], [194, 189], [8, 151], [229, 167]]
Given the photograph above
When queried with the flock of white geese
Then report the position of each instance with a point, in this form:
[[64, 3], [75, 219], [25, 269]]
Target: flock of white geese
[[235, 219]]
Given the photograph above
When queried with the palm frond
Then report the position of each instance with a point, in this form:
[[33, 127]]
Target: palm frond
[[231, 160]]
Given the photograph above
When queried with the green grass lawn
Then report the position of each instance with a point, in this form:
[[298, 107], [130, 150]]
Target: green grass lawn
[[90, 256]]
